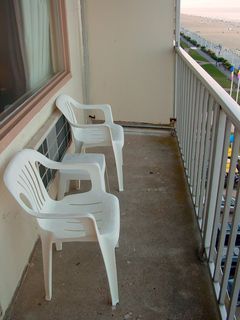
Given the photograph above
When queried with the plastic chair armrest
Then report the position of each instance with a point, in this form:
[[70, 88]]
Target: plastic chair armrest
[[64, 215], [105, 108], [104, 128], [89, 126]]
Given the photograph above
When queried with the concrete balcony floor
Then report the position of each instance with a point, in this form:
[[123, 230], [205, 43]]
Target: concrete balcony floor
[[160, 276]]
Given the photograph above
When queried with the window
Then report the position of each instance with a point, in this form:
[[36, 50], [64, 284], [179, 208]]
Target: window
[[33, 55]]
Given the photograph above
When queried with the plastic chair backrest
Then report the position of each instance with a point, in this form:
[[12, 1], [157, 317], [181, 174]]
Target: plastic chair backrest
[[23, 180], [66, 105]]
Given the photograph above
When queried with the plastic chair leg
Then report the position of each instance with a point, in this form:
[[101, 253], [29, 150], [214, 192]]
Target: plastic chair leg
[[108, 252], [107, 181], [47, 266], [117, 149], [63, 186], [58, 245], [78, 146]]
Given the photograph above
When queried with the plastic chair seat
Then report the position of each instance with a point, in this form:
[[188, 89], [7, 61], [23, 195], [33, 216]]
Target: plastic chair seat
[[101, 206], [83, 158], [65, 176]]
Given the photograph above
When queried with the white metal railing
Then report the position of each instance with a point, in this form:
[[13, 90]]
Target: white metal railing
[[206, 118]]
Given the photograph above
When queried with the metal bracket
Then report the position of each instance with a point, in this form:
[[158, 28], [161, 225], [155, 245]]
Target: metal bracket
[[172, 124], [201, 254]]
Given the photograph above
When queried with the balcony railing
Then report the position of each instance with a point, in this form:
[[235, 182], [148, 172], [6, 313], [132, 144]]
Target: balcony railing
[[207, 119]]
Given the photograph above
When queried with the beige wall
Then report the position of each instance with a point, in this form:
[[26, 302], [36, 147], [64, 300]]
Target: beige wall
[[130, 67], [17, 231], [131, 61]]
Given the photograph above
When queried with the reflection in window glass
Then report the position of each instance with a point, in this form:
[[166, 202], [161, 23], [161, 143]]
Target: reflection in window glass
[[30, 50]]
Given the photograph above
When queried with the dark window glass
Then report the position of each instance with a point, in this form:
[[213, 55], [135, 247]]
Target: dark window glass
[[31, 51]]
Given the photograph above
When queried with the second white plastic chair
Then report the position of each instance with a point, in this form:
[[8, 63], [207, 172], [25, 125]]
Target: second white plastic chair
[[94, 135]]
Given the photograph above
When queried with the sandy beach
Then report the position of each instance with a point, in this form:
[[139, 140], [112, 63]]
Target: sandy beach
[[219, 31]]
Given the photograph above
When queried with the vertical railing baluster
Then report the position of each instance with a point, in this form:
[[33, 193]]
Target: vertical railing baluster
[[196, 105], [235, 221], [223, 162], [190, 111], [212, 149], [213, 192], [193, 105], [202, 149], [226, 210], [207, 142], [198, 136], [188, 117], [184, 113], [177, 100], [181, 114], [235, 293]]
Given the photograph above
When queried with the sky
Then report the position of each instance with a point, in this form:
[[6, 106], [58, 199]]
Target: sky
[[210, 3], [221, 9]]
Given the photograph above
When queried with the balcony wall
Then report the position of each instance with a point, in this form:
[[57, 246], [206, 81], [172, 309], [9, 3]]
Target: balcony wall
[[130, 57], [17, 233]]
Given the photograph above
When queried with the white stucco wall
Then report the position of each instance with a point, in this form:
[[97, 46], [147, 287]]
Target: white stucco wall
[[17, 231], [131, 58]]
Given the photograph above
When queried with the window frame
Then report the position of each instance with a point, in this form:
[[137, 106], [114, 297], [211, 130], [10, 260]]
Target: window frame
[[32, 105]]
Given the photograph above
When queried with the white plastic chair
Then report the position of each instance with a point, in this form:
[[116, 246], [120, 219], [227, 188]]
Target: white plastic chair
[[94, 135], [90, 216], [65, 176]]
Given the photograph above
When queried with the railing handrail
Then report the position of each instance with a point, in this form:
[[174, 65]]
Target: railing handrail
[[230, 107]]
